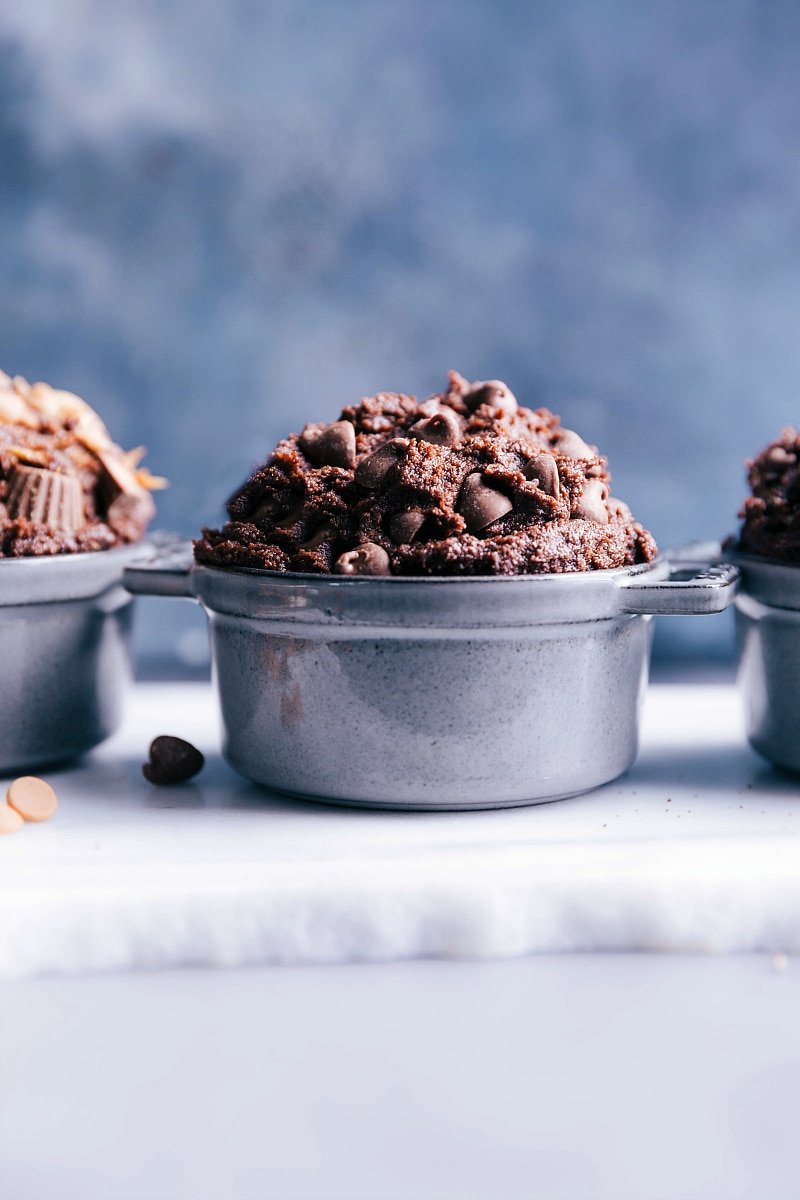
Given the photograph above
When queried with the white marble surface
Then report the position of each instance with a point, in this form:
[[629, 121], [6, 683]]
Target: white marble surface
[[697, 848]]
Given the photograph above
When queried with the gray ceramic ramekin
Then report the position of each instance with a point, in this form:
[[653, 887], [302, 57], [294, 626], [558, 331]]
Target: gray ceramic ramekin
[[64, 647], [435, 693], [768, 638]]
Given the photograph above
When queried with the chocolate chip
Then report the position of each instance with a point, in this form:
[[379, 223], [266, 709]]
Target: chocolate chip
[[543, 471], [480, 504], [372, 470], [493, 392], [367, 559], [780, 455], [172, 760], [442, 428], [405, 526], [572, 445], [332, 446], [591, 506]]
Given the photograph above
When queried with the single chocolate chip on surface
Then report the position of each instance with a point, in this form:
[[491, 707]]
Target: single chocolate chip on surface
[[367, 559], [479, 504], [333, 446], [373, 469], [442, 428], [572, 444], [404, 526], [591, 506], [172, 760], [493, 392], [543, 471]]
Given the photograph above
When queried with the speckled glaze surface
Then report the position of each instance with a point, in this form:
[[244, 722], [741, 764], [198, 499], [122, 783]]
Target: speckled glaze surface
[[768, 637], [64, 644], [434, 693], [460, 721]]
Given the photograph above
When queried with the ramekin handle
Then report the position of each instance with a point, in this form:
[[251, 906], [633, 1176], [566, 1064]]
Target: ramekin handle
[[690, 589], [166, 572]]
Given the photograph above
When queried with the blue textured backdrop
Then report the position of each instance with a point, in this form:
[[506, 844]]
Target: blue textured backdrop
[[219, 220]]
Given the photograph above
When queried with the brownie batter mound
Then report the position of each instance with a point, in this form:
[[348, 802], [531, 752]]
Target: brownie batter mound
[[468, 482], [771, 514], [65, 486]]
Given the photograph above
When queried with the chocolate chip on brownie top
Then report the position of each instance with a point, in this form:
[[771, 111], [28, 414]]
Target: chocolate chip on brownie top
[[468, 482]]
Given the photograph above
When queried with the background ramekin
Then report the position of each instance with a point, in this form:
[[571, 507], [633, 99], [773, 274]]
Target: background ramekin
[[65, 627], [768, 640]]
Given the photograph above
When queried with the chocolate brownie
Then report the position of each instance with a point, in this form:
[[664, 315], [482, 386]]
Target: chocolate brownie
[[65, 486], [468, 482], [771, 514]]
